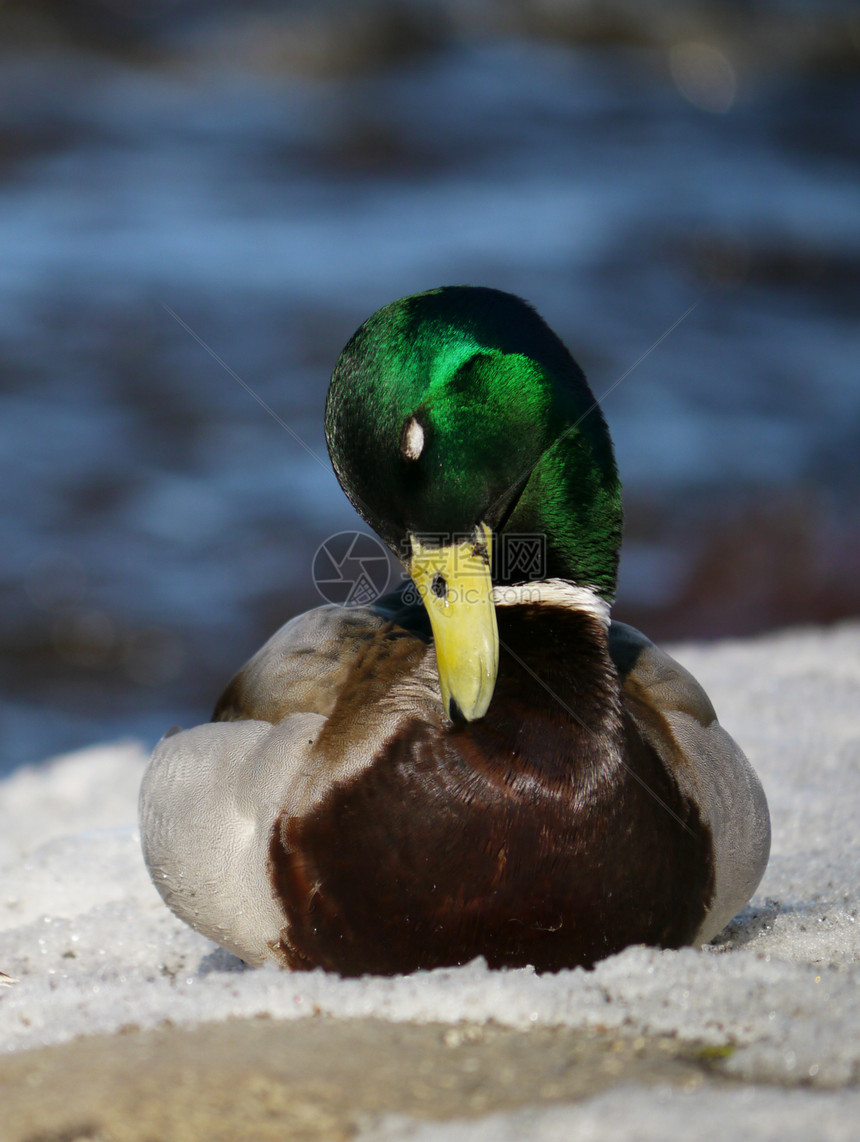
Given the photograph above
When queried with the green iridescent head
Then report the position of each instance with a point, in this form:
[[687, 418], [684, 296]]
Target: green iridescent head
[[460, 407]]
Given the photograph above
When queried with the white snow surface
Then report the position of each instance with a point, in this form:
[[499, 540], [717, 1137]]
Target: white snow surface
[[649, 1115], [93, 949]]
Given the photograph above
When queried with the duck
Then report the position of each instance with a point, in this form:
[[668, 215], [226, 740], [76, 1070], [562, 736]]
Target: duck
[[481, 763]]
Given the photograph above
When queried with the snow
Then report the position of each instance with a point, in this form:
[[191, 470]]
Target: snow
[[93, 949], [706, 1115]]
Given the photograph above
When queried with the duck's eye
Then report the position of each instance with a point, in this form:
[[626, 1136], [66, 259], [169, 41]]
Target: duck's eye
[[439, 586], [412, 439]]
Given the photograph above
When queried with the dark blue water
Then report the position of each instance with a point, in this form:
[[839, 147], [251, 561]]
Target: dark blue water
[[158, 522]]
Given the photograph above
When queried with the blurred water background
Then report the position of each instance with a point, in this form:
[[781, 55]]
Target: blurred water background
[[196, 194]]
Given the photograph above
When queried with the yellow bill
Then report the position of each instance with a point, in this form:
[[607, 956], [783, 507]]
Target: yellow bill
[[455, 586]]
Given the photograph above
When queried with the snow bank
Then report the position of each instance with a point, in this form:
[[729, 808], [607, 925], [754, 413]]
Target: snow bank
[[707, 1115]]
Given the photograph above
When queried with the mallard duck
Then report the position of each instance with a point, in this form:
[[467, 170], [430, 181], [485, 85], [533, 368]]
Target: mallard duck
[[491, 767]]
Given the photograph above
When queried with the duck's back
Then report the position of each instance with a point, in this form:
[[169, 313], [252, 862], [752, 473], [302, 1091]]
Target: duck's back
[[332, 816], [300, 717], [675, 716]]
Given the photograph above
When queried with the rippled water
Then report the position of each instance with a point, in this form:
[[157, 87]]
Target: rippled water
[[174, 227]]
